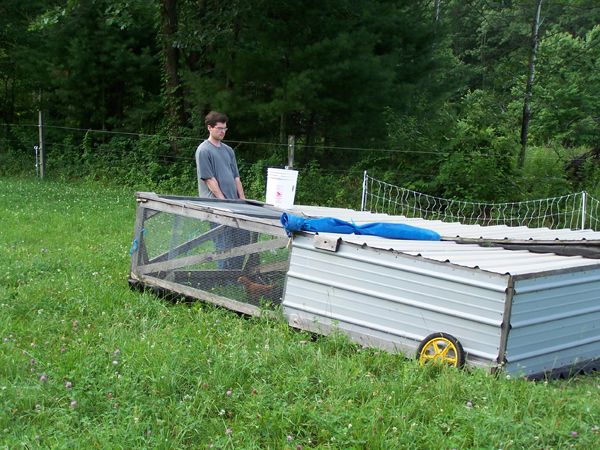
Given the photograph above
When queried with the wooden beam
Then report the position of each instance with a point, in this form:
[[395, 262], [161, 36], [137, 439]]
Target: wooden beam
[[189, 209], [199, 294], [187, 246], [281, 266], [138, 249], [242, 250]]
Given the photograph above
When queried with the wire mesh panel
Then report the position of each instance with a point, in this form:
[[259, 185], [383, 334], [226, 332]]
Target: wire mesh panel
[[237, 262], [574, 211]]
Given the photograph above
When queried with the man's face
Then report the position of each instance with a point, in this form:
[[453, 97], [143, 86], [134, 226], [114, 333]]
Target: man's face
[[218, 131]]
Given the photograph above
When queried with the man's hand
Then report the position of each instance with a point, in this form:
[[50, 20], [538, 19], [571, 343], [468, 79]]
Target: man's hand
[[240, 188], [213, 186]]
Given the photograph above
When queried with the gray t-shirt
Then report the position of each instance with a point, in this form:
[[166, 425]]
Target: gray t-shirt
[[216, 162]]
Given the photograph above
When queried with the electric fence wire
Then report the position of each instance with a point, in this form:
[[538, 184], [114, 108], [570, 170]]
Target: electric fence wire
[[257, 143]]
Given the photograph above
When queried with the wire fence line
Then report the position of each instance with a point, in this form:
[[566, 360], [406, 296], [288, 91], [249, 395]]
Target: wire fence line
[[575, 211], [232, 142]]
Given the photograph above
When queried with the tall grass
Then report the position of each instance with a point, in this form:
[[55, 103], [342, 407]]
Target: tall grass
[[85, 362]]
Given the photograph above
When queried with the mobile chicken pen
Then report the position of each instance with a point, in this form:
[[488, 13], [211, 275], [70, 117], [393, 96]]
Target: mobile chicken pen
[[493, 297]]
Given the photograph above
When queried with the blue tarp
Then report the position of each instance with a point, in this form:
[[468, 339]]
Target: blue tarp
[[293, 223]]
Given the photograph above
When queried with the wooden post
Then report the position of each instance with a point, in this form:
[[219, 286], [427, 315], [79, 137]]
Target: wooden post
[[41, 149], [290, 164]]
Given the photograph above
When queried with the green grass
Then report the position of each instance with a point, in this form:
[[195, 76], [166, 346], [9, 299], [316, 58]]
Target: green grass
[[85, 362]]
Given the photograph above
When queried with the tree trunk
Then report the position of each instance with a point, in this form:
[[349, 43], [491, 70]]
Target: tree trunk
[[529, 88], [282, 129], [310, 130], [174, 97]]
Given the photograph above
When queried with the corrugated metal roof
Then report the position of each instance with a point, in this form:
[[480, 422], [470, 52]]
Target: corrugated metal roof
[[492, 259], [454, 230]]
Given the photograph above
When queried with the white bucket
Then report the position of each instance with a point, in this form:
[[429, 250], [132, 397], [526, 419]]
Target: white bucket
[[281, 187]]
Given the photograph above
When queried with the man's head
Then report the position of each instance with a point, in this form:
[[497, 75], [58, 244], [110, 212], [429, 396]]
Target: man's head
[[213, 117], [216, 123]]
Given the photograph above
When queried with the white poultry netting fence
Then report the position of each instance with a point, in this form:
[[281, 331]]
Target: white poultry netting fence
[[574, 211]]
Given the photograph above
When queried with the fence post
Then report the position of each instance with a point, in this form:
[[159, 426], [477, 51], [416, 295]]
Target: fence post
[[363, 201], [36, 150], [42, 149], [291, 144], [583, 205]]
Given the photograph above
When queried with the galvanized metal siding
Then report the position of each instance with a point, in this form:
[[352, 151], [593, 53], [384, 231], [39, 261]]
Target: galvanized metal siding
[[399, 295], [555, 321]]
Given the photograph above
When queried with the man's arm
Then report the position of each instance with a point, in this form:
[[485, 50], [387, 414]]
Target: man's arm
[[240, 188], [213, 186]]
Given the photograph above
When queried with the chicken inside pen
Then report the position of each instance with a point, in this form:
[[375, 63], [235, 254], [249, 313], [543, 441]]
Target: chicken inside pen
[[256, 290]]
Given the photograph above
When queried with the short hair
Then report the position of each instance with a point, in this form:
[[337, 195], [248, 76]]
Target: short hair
[[213, 117]]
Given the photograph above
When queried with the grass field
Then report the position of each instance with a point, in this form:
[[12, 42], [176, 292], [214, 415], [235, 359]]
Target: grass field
[[87, 363]]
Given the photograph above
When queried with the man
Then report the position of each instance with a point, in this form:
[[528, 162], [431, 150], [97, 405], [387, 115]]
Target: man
[[218, 175]]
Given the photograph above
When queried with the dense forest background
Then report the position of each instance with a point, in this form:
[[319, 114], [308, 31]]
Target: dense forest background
[[430, 95]]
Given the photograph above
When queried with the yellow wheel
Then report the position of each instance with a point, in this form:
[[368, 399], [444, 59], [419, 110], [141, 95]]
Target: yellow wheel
[[442, 349]]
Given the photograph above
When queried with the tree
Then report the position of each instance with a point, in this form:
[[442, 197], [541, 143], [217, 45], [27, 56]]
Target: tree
[[99, 68], [173, 88], [324, 71], [566, 97], [535, 29], [20, 50]]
